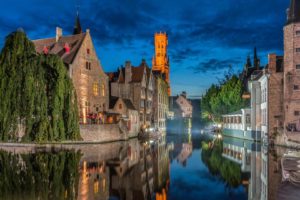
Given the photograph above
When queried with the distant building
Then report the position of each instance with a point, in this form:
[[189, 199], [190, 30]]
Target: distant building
[[160, 62], [249, 69], [136, 84], [181, 106], [238, 125], [78, 53], [160, 102]]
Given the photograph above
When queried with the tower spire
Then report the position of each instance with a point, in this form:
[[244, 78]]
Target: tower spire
[[256, 59], [77, 27]]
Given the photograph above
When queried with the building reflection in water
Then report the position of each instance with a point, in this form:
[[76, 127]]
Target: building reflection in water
[[263, 165], [128, 173], [251, 159]]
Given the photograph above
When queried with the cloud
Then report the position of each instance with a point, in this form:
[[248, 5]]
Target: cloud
[[179, 55], [213, 65]]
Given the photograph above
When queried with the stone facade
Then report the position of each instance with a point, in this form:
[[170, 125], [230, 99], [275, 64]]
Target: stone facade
[[79, 55], [136, 84], [160, 102], [128, 113]]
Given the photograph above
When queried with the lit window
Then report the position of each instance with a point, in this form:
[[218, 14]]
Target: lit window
[[103, 90], [95, 89]]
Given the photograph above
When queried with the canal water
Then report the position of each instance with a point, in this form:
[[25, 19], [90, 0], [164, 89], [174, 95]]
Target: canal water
[[184, 164]]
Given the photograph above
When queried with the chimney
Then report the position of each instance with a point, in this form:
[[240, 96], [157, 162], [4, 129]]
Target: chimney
[[128, 73], [184, 94], [272, 63], [58, 33]]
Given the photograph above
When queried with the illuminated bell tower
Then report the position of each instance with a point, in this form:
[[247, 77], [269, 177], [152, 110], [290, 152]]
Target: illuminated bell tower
[[160, 62]]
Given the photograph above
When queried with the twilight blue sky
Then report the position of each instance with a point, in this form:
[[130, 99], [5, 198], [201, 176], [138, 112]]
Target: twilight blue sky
[[205, 36]]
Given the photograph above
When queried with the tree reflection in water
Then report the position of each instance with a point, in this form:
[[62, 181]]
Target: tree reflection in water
[[229, 171], [39, 175]]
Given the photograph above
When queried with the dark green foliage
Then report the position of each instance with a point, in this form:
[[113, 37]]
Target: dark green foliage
[[39, 176], [35, 93], [229, 171], [223, 99]]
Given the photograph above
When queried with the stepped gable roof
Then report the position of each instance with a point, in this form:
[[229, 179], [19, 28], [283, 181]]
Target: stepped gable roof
[[58, 47]]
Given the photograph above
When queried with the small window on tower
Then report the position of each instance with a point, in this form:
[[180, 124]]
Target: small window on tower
[[298, 66], [87, 65], [88, 51], [298, 33], [297, 50]]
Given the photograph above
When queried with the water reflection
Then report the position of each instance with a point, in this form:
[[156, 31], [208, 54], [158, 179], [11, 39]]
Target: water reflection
[[178, 166], [39, 176]]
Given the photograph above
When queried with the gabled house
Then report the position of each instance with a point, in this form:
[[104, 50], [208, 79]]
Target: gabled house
[[181, 106], [136, 84], [79, 56], [127, 113]]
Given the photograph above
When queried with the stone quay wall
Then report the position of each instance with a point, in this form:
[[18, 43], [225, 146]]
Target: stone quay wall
[[102, 133]]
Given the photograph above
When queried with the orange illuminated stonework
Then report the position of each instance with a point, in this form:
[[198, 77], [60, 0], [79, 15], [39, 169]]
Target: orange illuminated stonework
[[160, 62]]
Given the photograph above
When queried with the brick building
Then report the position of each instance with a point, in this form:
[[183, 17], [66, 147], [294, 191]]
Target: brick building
[[78, 53], [292, 69], [135, 84]]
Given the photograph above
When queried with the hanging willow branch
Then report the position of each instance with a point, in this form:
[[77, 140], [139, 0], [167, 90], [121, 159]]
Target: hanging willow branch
[[35, 93]]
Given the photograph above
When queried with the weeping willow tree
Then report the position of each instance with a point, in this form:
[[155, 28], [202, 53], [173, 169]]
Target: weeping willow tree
[[37, 98]]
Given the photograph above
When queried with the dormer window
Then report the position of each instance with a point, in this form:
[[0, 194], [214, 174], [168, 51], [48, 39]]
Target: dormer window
[[67, 48], [45, 50]]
